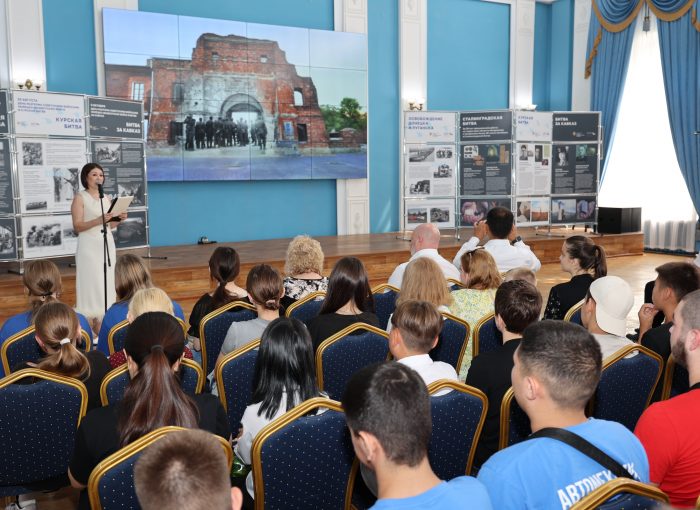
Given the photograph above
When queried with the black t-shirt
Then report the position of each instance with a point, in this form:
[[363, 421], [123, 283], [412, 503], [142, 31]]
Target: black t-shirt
[[658, 339], [565, 295], [324, 326]]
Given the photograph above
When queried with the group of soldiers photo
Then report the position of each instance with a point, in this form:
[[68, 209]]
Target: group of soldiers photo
[[223, 132]]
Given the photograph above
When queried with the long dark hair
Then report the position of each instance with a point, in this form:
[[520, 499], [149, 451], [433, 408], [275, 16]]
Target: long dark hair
[[348, 281], [285, 362], [589, 254], [154, 398], [224, 266]]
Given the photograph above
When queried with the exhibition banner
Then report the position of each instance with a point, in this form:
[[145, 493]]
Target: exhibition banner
[[473, 209], [47, 114], [533, 126], [430, 171], [533, 168], [48, 236], [439, 212], [532, 211], [576, 127], [4, 119], [115, 118], [485, 169], [6, 193], [131, 233], [8, 239], [579, 209], [485, 126], [425, 127], [124, 168], [575, 168]]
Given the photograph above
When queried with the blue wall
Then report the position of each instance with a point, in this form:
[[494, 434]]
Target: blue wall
[[468, 54]]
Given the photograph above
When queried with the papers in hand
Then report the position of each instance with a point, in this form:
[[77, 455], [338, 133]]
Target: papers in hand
[[119, 205]]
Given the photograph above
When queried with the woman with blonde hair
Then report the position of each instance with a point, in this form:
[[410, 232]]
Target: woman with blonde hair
[[303, 266]]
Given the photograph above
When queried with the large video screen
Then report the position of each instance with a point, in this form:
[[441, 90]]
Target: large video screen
[[227, 100]]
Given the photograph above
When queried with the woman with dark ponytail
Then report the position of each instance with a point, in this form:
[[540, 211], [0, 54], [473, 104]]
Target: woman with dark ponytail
[[584, 261], [154, 346]]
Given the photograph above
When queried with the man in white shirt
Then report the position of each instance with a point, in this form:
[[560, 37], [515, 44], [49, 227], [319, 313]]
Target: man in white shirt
[[604, 313], [424, 243], [500, 228]]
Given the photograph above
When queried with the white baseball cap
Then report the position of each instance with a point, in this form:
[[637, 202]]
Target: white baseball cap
[[613, 301]]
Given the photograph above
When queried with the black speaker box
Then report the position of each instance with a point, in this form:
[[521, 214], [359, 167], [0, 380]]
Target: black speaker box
[[619, 220]]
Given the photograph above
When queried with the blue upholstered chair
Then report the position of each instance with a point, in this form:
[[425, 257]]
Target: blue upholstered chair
[[458, 417], [622, 494], [304, 459], [111, 483], [234, 380], [307, 307], [214, 326], [343, 354], [515, 424], [38, 423], [487, 338], [115, 382], [454, 284], [384, 302], [573, 314], [676, 380], [626, 385], [22, 347], [452, 342], [117, 335]]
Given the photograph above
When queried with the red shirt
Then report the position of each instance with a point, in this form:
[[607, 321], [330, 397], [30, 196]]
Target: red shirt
[[119, 358], [671, 437]]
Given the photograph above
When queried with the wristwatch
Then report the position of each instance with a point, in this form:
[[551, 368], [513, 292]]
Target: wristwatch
[[517, 239]]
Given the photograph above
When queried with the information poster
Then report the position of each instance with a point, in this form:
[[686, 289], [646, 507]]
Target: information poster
[[131, 233], [4, 120], [439, 212], [430, 170], [575, 168], [579, 209], [533, 171], [486, 126], [6, 195], [485, 169], [49, 173], [532, 211], [48, 236], [473, 209], [123, 164], [8, 239], [115, 118], [429, 127], [575, 127], [41, 113], [533, 126]]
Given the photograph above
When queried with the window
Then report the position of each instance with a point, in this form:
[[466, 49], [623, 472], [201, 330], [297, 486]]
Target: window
[[302, 133], [298, 97], [178, 92], [137, 91]]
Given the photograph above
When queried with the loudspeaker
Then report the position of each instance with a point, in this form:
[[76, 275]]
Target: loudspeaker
[[619, 220]]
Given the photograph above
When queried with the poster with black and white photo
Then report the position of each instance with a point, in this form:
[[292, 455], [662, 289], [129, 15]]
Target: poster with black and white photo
[[439, 212], [115, 118], [48, 236], [6, 194], [430, 170], [533, 126], [473, 209], [4, 120], [576, 127], [131, 233], [123, 164], [533, 172], [49, 173], [578, 209], [44, 113], [485, 126], [574, 169], [429, 127], [8, 239], [485, 169], [532, 211]]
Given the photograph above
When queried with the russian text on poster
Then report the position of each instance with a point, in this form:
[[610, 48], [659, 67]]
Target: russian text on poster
[[428, 127], [485, 169], [115, 118], [430, 170], [485, 126], [575, 168], [576, 127], [48, 114]]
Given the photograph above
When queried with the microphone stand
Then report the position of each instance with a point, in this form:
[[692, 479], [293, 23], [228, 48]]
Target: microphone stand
[[105, 249]]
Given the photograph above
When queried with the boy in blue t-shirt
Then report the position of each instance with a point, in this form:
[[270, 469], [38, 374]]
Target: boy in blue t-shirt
[[387, 408], [557, 369]]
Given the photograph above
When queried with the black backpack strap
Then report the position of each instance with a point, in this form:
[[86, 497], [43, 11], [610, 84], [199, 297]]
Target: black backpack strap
[[576, 441]]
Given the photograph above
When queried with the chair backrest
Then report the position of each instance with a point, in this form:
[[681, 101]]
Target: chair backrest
[[487, 338], [111, 483], [234, 380], [454, 284], [515, 424], [676, 379], [458, 417], [343, 354], [115, 382], [626, 385], [307, 307], [304, 460], [117, 335], [87, 341], [573, 314], [39, 422], [214, 326], [627, 493], [384, 302], [19, 348], [452, 341]]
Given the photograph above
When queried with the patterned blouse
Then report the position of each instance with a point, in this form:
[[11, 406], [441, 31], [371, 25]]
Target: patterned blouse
[[297, 288]]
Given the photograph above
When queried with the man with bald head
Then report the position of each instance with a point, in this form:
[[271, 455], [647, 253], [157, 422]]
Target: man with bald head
[[424, 243]]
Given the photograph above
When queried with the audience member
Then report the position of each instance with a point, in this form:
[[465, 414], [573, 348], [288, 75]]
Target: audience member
[[668, 429], [604, 313], [500, 228], [153, 399], [348, 301], [584, 261], [387, 408], [185, 469], [424, 243], [521, 273], [557, 369], [303, 266], [517, 305]]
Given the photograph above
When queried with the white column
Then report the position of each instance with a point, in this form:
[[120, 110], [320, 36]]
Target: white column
[[352, 195], [4, 48], [413, 52], [580, 87], [98, 5], [24, 29], [522, 50]]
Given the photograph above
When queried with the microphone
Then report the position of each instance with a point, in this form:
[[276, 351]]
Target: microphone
[[101, 190]]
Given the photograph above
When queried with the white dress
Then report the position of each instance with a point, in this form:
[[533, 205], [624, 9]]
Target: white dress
[[89, 275]]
